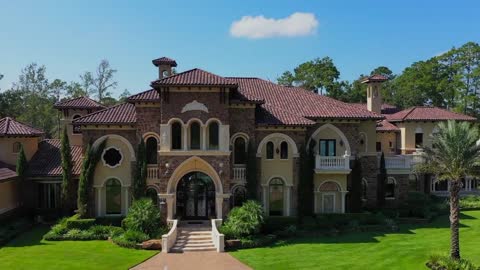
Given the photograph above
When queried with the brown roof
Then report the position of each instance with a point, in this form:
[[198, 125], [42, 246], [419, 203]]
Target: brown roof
[[7, 171], [164, 61], [194, 77], [375, 78], [149, 95], [119, 114], [47, 161], [10, 127], [385, 126], [427, 114], [271, 115], [386, 108], [79, 103]]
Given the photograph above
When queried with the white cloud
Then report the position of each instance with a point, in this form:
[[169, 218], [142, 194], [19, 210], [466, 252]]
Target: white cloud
[[255, 27]]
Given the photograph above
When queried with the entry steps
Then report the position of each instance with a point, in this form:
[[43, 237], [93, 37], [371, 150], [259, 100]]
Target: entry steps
[[193, 236]]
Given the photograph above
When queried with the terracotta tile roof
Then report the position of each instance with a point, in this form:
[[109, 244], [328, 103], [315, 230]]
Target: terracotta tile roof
[[375, 78], [7, 171], [47, 161], [119, 114], [298, 101], [149, 95], [10, 127], [270, 115], [164, 61], [386, 108], [79, 103], [427, 114], [194, 77], [386, 126]]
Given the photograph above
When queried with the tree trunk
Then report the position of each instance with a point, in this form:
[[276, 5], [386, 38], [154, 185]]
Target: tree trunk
[[455, 219]]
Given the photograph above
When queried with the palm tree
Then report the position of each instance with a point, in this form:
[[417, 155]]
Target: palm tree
[[454, 155]]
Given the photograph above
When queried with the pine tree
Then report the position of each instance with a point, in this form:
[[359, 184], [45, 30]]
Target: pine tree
[[356, 192], [381, 180], [66, 170], [251, 172], [140, 180]]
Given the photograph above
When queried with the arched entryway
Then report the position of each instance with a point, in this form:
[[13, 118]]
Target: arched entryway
[[195, 197]]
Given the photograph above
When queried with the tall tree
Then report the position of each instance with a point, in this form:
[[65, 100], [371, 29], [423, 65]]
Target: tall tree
[[75, 90], [58, 89], [140, 180], [67, 165], [104, 81], [87, 82], [454, 155], [21, 167], [124, 96]]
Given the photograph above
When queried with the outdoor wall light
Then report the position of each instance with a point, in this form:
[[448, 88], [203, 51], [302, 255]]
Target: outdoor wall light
[[341, 143]]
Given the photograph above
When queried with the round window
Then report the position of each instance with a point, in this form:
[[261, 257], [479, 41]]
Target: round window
[[112, 157]]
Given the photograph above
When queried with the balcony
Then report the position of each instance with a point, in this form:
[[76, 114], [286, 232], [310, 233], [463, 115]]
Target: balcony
[[152, 172], [337, 164], [403, 162], [239, 173]]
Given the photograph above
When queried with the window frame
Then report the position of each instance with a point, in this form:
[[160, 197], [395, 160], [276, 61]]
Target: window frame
[[191, 137], [271, 184], [173, 136], [394, 183], [267, 151], [236, 151], [119, 162], [419, 145], [210, 134], [284, 152], [106, 196], [19, 145], [147, 149], [327, 147]]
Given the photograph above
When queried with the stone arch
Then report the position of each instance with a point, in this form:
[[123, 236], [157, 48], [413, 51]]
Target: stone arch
[[329, 185], [104, 181], [282, 136], [120, 138], [172, 120], [336, 130], [147, 135], [191, 120], [243, 135], [210, 120], [194, 164]]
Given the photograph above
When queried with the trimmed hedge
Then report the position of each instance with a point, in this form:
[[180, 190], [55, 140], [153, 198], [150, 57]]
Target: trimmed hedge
[[130, 239], [75, 222]]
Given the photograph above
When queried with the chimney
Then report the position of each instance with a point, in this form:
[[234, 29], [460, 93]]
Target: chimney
[[374, 95], [165, 66]]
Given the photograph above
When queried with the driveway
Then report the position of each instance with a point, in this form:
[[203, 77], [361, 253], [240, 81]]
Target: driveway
[[208, 260]]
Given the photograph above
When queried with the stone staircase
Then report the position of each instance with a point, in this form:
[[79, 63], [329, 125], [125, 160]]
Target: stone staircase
[[193, 236]]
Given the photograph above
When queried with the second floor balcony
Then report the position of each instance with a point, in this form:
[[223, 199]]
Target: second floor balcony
[[332, 164], [403, 162]]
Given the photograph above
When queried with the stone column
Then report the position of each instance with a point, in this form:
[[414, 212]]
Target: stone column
[[288, 195], [99, 201], [169, 200], [265, 198], [219, 206], [344, 193], [125, 200]]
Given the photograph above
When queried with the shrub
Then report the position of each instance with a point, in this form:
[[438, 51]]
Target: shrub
[[130, 239], [74, 222], [77, 234], [288, 231], [144, 216], [245, 220], [257, 241], [443, 262], [470, 202], [274, 224]]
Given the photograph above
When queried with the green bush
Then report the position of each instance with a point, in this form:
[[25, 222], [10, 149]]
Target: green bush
[[75, 222], [144, 216], [60, 232], [130, 239], [257, 241], [274, 224], [244, 220], [470, 202], [444, 262]]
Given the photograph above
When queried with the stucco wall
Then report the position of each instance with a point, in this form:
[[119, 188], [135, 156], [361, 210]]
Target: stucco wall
[[320, 179], [30, 146], [8, 196], [408, 129], [385, 138]]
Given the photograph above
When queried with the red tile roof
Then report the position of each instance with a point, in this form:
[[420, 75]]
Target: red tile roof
[[386, 126], [427, 114], [119, 114], [194, 77], [149, 95], [386, 108], [47, 161], [271, 115], [375, 78], [164, 61], [79, 103], [7, 171], [10, 127]]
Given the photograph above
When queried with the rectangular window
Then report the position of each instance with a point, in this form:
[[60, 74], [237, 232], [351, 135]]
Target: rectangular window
[[49, 195], [378, 146], [328, 148], [16, 147], [418, 140]]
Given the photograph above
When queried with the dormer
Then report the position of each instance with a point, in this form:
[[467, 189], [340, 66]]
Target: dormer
[[75, 108], [374, 95], [165, 66]]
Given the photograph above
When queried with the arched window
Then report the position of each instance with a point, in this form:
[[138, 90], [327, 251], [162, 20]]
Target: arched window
[[152, 194], [76, 129], [390, 188], [270, 150], [151, 146], [239, 196], [176, 136], [284, 150], [213, 136], [239, 151], [113, 197], [276, 197], [364, 189], [16, 147], [195, 136]]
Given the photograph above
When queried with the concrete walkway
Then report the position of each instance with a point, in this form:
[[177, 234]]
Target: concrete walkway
[[208, 260]]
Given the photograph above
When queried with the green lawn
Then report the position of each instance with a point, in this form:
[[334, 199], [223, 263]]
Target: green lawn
[[29, 251], [407, 249]]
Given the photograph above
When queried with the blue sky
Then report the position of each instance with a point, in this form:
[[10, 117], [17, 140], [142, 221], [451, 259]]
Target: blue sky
[[71, 37]]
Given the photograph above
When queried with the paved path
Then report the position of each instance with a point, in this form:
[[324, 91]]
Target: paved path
[[208, 260]]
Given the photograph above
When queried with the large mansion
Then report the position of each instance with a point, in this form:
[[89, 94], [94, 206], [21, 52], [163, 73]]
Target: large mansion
[[200, 130]]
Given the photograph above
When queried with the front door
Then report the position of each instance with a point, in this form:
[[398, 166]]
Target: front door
[[196, 196]]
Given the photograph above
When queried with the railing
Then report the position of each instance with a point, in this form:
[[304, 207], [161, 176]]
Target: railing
[[239, 172], [217, 237], [333, 163], [398, 162], [153, 172], [168, 240]]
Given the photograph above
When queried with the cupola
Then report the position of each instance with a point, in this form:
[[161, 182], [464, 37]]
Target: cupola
[[165, 66], [374, 95]]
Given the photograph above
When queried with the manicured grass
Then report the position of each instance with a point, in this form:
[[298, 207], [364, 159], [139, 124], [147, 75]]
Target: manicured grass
[[29, 251], [407, 249]]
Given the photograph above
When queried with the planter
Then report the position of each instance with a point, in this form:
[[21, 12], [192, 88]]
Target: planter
[[154, 244], [234, 243]]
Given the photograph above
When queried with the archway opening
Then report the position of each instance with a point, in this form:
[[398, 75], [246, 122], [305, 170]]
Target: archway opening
[[195, 197]]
